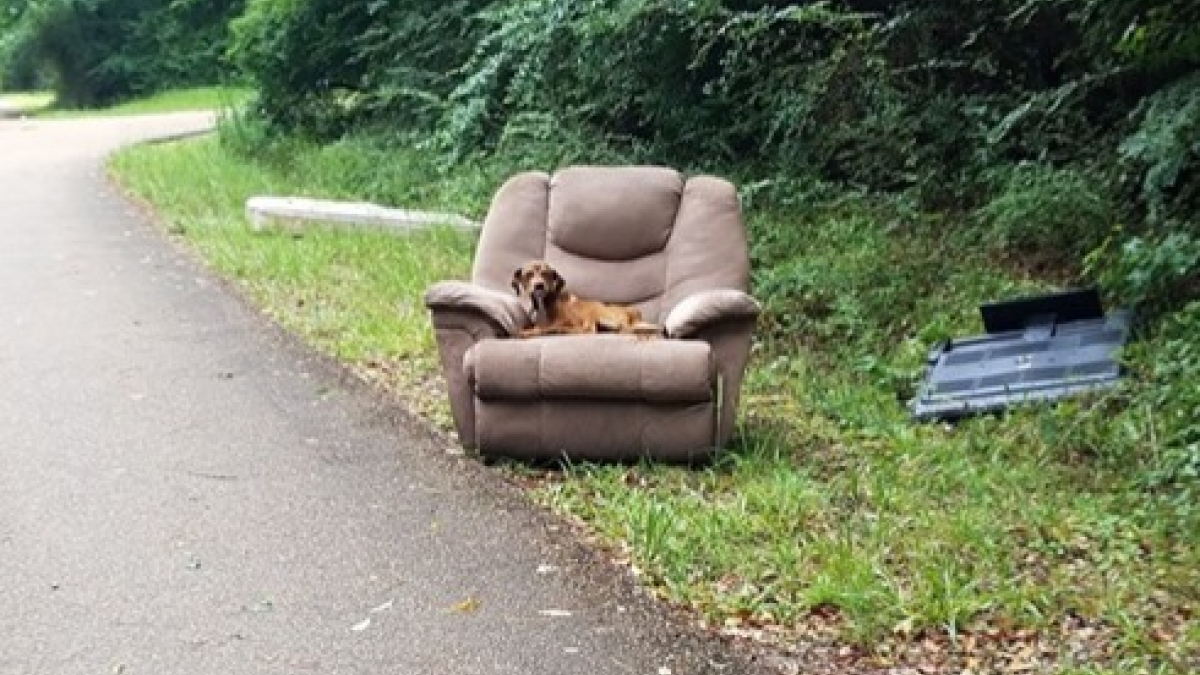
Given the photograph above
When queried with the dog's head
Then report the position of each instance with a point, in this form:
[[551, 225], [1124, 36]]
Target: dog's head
[[539, 282]]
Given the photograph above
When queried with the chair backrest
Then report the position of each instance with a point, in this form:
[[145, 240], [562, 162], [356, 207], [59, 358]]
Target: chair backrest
[[636, 235]]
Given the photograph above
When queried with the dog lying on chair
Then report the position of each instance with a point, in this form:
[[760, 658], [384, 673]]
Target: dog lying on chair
[[557, 311]]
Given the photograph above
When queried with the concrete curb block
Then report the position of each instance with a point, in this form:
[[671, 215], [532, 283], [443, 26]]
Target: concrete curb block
[[291, 212]]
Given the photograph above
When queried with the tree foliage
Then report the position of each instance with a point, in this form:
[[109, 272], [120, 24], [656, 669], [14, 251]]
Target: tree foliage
[[325, 66], [999, 106], [94, 52], [930, 97]]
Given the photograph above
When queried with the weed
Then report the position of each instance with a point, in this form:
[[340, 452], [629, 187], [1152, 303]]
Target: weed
[[1040, 209]]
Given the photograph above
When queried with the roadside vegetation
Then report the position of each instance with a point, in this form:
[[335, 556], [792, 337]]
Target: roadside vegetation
[[42, 105], [837, 526], [94, 53], [26, 103], [170, 100], [900, 163]]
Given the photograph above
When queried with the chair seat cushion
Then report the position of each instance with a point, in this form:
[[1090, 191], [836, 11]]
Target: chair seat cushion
[[606, 367]]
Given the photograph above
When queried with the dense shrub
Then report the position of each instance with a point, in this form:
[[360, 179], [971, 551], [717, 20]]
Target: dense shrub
[[927, 97], [1057, 125], [95, 52], [323, 67], [1155, 273], [1176, 400], [1164, 151], [1045, 210]]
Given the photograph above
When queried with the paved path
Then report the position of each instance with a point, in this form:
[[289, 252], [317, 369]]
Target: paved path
[[183, 490]]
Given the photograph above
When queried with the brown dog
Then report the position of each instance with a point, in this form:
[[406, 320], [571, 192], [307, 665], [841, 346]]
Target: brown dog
[[557, 311]]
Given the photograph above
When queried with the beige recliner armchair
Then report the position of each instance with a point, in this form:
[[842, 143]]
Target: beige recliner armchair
[[646, 236]]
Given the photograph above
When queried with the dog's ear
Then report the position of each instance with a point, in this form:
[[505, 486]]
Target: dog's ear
[[559, 282], [516, 281]]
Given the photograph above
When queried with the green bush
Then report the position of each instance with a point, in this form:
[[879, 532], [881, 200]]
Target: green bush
[[1165, 151], [324, 67], [1155, 274], [1174, 370], [301, 57], [1062, 213], [98, 52], [928, 97], [626, 70], [19, 66]]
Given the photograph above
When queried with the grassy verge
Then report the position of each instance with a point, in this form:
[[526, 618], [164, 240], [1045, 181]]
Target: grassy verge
[[26, 102], [354, 294], [176, 100], [837, 527]]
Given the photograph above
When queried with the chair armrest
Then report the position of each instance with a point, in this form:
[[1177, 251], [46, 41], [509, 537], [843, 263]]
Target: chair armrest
[[706, 308], [503, 309]]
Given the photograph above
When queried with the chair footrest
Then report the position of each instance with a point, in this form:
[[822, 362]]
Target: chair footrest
[[602, 367]]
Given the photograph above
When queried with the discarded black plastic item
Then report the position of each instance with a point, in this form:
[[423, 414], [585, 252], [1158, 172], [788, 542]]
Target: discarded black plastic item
[[1065, 307], [1036, 349]]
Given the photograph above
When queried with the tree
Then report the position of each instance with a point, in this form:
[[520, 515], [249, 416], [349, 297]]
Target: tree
[[96, 52]]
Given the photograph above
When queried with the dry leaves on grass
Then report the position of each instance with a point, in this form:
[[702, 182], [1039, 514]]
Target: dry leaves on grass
[[813, 647], [423, 391], [816, 646]]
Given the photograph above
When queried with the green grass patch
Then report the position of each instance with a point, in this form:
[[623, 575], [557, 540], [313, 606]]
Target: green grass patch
[[835, 517], [176, 100], [26, 102], [355, 294]]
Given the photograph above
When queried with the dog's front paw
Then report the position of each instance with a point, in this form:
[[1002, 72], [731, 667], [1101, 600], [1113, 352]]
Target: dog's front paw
[[648, 331]]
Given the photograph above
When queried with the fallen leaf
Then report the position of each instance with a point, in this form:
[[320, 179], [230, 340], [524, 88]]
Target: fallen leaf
[[904, 626], [361, 625], [470, 604]]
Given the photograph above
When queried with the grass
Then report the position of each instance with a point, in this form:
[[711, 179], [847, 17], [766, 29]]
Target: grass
[[1022, 542], [354, 294], [177, 100], [29, 102]]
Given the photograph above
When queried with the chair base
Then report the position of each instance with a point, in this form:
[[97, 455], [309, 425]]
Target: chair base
[[595, 430]]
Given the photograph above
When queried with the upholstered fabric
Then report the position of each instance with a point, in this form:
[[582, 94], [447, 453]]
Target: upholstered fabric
[[602, 367], [708, 248], [595, 429], [514, 230], [690, 239], [503, 308], [709, 307], [611, 213], [674, 247]]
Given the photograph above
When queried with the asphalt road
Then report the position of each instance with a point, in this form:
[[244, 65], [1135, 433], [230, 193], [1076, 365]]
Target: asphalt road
[[183, 489]]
